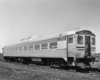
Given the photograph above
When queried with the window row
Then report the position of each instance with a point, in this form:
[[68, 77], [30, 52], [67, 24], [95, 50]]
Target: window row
[[80, 40], [87, 40], [34, 47]]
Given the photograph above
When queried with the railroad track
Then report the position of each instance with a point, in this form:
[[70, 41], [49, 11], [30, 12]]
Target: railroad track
[[40, 65], [40, 70]]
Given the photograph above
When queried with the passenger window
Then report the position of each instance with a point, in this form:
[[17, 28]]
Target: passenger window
[[53, 45], [8, 50], [80, 39], [93, 41], [37, 47], [20, 48], [70, 40], [12, 50], [25, 48], [44, 46], [16, 48], [31, 47]]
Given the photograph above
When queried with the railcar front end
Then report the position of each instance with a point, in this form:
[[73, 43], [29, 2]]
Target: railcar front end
[[85, 48]]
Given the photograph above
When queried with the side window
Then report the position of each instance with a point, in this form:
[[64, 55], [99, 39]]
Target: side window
[[37, 47], [8, 50], [31, 47], [12, 50], [70, 40], [25, 48], [44, 46], [16, 49], [93, 41], [80, 39], [20, 48], [53, 45]]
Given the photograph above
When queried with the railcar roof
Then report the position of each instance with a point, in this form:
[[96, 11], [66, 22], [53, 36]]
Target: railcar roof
[[66, 33], [39, 38]]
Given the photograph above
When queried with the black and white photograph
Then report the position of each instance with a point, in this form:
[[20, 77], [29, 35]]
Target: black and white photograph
[[49, 39]]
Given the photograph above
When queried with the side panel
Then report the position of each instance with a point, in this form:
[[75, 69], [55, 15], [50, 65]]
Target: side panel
[[59, 52], [55, 53]]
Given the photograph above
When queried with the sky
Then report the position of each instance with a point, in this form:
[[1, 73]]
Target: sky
[[24, 18]]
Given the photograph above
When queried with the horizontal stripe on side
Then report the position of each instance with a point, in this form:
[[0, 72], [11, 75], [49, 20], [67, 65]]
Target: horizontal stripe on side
[[93, 48], [79, 47]]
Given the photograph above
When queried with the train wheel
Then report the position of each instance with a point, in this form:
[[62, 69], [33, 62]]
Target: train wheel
[[91, 65], [5, 58], [45, 61], [80, 65], [26, 60], [18, 60], [21, 60], [53, 65], [11, 59]]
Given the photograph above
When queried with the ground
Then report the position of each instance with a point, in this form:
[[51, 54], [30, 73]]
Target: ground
[[18, 71]]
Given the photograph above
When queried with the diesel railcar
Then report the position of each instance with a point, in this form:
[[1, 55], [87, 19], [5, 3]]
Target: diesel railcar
[[72, 48]]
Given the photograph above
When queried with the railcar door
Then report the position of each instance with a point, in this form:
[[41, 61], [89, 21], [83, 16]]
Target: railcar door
[[87, 46], [92, 45], [71, 46]]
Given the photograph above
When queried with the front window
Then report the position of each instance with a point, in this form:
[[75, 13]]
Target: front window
[[80, 39], [93, 41], [70, 40]]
